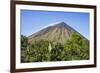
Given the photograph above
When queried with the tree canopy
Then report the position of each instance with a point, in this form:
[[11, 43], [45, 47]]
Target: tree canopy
[[75, 48]]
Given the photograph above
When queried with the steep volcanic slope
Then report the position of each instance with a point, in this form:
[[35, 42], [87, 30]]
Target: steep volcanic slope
[[57, 33]]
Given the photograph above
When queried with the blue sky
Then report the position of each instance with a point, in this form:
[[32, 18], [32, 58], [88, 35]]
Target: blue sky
[[33, 21]]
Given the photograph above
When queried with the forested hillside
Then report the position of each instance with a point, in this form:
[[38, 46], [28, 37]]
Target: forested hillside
[[75, 48]]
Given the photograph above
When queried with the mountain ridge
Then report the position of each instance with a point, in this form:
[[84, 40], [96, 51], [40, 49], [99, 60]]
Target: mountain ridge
[[57, 33]]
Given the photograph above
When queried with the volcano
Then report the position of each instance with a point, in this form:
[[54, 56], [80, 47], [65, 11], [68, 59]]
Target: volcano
[[57, 33]]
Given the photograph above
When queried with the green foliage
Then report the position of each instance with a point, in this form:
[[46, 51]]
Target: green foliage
[[40, 51], [24, 52], [76, 48], [56, 52], [36, 52]]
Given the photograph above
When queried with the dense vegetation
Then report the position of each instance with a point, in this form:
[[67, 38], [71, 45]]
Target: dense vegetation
[[76, 48]]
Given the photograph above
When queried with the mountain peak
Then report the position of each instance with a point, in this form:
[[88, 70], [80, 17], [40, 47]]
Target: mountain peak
[[61, 24], [58, 33]]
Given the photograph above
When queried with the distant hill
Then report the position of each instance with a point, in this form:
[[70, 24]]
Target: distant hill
[[58, 33]]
